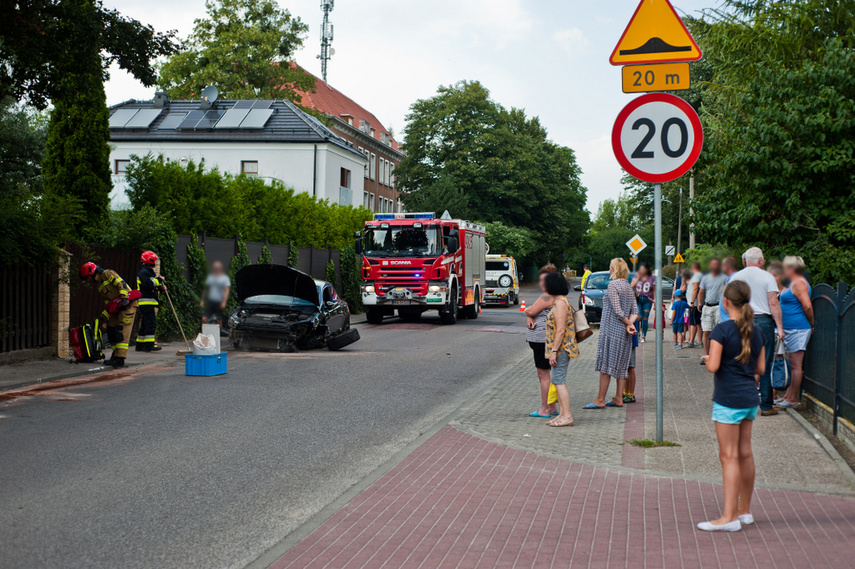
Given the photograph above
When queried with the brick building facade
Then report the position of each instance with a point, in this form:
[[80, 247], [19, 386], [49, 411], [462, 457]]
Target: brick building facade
[[361, 128]]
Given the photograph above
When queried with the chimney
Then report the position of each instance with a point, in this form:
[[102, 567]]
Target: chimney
[[386, 139], [161, 99], [364, 126]]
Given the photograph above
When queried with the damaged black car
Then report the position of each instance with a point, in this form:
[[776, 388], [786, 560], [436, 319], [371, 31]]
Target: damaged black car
[[284, 310]]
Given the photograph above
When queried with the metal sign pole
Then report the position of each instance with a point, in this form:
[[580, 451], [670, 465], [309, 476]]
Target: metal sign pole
[[660, 329]]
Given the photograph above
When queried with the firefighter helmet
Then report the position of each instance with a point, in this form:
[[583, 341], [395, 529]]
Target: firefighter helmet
[[148, 257], [87, 270]]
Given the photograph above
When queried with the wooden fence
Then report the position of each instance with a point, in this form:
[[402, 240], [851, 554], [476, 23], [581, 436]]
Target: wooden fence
[[26, 295]]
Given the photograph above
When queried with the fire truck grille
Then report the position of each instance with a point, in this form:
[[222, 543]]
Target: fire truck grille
[[418, 288]]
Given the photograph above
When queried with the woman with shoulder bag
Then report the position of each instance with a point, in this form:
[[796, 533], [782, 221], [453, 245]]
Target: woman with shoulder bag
[[560, 344]]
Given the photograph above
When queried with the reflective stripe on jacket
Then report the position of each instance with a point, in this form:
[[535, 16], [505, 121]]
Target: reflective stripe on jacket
[[148, 284]]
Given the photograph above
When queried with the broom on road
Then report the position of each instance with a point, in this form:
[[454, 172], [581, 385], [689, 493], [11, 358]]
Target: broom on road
[[189, 350]]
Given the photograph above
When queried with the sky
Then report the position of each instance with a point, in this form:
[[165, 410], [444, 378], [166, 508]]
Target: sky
[[549, 57]]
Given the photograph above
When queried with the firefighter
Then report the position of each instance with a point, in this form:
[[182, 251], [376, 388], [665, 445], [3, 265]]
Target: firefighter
[[149, 286], [120, 306]]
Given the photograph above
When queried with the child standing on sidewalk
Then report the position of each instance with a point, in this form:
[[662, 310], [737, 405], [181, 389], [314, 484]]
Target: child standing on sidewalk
[[737, 358], [678, 312]]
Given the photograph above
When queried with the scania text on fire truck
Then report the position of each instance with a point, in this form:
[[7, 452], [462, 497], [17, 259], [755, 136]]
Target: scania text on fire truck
[[414, 262]]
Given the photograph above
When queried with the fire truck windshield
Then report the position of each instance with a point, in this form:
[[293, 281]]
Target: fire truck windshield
[[403, 242]]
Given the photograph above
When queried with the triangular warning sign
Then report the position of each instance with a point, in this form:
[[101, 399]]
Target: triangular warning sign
[[679, 259], [655, 34]]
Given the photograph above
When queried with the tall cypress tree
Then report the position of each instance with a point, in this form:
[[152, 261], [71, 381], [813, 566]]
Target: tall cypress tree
[[77, 158]]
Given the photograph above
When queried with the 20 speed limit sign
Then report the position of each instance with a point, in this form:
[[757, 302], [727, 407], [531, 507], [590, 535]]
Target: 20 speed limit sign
[[657, 137]]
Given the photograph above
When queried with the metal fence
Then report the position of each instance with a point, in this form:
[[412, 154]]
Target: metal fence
[[310, 260], [830, 357], [25, 307]]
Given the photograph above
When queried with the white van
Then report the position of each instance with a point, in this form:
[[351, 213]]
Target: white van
[[503, 283]]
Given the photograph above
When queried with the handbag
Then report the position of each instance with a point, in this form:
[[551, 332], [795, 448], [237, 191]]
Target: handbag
[[781, 372], [583, 329]]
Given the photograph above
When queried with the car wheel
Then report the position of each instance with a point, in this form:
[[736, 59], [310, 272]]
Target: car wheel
[[448, 315], [374, 315]]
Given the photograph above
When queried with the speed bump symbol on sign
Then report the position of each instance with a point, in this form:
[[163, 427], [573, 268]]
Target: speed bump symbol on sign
[[660, 77], [655, 34]]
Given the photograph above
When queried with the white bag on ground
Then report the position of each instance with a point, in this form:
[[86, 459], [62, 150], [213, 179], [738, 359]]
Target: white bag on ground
[[204, 345]]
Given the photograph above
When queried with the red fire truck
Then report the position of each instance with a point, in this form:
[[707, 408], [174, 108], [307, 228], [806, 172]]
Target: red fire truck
[[414, 262]]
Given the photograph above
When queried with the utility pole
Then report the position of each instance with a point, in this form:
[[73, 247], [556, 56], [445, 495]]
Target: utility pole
[[680, 227], [327, 50], [691, 211]]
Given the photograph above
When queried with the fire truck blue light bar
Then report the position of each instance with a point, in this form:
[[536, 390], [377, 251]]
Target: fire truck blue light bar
[[394, 216]]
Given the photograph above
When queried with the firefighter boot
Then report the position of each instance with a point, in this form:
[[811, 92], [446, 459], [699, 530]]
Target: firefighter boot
[[115, 362]]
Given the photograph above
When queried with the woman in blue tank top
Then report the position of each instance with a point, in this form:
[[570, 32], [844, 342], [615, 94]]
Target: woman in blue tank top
[[797, 312]]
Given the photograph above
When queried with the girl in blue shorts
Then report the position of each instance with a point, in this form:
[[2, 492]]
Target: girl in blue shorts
[[737, 358]]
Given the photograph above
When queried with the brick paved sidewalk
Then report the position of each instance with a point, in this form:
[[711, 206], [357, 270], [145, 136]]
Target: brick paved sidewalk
[[460, 501], [498, 489]]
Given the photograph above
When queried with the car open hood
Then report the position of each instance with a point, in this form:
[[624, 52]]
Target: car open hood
[[275, 279]]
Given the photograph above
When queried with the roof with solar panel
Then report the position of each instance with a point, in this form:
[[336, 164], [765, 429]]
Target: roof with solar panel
[[215, 120]]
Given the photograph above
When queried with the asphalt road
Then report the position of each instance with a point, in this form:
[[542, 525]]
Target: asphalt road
[[163, 470]]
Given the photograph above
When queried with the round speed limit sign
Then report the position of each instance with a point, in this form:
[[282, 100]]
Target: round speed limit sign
[[657, 137]]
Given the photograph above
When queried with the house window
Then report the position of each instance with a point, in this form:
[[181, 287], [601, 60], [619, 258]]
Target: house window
[[373, 172], [368, 159], [345, 178], [384, 168], [371, 202], [365, 199], [372, 131], [392, 175], [249, 167], [122, 166]]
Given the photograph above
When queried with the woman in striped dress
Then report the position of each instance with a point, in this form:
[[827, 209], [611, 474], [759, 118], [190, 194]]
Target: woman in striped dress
[[617, 326]]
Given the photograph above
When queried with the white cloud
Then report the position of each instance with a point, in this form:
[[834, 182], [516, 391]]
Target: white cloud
[[572, 41]]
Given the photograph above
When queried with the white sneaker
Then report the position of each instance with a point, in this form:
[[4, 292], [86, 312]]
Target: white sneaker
[[735, 525], [643, 340], [746, 519]]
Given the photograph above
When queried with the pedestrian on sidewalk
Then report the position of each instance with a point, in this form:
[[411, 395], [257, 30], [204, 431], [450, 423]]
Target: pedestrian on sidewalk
[[798, 319], [709, 298], [767, 315], [776, 269], [535, 335], [215, 297], [645, 289], [737, 357], [729, 267], [679, 310], [629, 392], [560, 344], [616, 329], [694, 288]]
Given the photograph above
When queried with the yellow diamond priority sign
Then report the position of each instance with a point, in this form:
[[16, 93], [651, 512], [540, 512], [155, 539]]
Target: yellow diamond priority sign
[[636, 244]]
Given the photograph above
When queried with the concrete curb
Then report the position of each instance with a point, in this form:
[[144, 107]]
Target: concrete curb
[[826, 445], [97, 371]]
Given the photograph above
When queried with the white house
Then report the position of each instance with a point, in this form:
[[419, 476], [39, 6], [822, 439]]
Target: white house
[[273, 140]]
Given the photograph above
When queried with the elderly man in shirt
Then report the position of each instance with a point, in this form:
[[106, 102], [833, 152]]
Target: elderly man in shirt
[[767, 316]]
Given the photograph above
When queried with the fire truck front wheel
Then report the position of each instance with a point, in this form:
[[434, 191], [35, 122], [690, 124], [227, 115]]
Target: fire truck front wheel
[[448, 315]]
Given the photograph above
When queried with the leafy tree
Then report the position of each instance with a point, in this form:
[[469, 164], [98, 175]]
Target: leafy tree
[[500, 161], [239, 261], [351, 279], [329, 272], [265, 257], [43, 41], [779, 125], [440, 196], [197, 265], [293, 255], [245, 48], [514, 241]]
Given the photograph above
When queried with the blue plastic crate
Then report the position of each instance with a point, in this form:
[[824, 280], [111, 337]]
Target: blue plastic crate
[[216, 364]]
